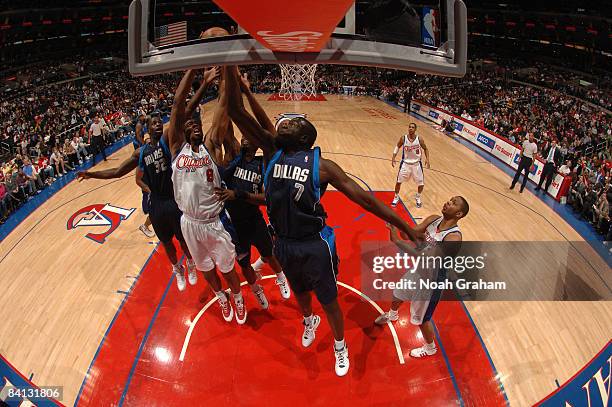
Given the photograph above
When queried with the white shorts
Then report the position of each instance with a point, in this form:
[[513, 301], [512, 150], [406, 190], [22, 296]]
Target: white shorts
[[423, 302], [407, 171], [209, 243]]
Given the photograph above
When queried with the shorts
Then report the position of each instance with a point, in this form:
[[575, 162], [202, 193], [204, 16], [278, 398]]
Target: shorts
[[209, 243], [252, 233], [166, 219], [407, 171], [146, 198], [423, 302], [311, 265]]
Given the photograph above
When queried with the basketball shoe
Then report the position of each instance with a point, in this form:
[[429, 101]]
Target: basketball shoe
[[179, 272], [309, 330], [241, 312], [389, 316], [396, 199], [258, 291], [147, 232], [226, 307], [417, 198], [425, 350], [342, 361], [191, 272], [283, 285]]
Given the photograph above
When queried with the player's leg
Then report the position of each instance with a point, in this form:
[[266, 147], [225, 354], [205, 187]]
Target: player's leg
[[219, 244], [526, 168], [194, 234], [401, 177], [323, 265], [392, 315], [421, 312], [419, 178], [173, 217], [262, 240], [243, 240], [144, 228]]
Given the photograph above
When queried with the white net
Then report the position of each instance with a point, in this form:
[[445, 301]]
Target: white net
[[298, 81]]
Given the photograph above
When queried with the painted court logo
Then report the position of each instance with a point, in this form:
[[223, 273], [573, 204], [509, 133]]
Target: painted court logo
[[104, 216]]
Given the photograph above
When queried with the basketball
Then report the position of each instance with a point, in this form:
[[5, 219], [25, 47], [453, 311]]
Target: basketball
[[214, 32]]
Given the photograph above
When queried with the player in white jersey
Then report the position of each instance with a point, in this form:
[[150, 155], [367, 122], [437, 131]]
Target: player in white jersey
[[423, 302], [410, 165], [195, 176]]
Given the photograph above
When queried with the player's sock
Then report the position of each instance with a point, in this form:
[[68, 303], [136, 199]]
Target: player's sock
[[238, 297], [177, 267], [308, 320], [221, 296], [339, 345]]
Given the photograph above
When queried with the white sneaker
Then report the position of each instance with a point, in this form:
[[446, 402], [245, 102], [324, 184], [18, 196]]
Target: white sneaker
[[258, 265], [395, 201], [261, 296], [226, 309], [383, 319], [418, 202], [422, 352], [191, 272], [283, 286], [147, 232], [241, 312], [180, 278], [342, 361], [309, 331]]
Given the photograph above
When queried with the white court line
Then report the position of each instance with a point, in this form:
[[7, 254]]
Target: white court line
[[398, 348], [193, 323]]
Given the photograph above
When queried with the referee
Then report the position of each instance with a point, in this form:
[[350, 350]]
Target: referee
[[530, 148]]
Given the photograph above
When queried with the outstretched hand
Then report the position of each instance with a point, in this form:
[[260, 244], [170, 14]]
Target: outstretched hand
[[245, 85], [211, 74], [81, 175]]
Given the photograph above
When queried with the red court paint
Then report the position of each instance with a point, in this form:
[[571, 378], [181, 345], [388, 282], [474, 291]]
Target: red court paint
[[264, 360], [316, 98]]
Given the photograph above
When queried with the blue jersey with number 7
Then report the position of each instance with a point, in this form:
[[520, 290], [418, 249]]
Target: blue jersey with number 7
[[293, 194]]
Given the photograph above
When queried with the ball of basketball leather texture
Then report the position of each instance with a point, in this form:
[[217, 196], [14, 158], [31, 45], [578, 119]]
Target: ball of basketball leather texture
[[214, 32]]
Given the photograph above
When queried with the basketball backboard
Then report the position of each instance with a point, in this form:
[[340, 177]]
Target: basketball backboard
[[426, 36]]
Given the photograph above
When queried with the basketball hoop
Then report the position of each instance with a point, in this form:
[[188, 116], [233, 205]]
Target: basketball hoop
[[298, 81]]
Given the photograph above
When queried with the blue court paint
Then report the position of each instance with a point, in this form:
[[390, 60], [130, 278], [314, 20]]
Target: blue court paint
[[76, 402], [144, 340], [122, 292], [359, 217], [31, 376], [557, 383], [448, 366]]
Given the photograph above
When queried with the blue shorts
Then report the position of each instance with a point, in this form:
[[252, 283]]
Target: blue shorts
[[311, 265]]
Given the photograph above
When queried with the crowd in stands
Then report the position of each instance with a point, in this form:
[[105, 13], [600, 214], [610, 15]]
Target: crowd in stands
[[48, 127]]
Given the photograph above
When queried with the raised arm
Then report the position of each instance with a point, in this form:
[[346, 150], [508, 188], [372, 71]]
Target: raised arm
[[215, 137], [332, 173], [258, 111], [250, 128], [117, 172], [209, 76], [177, 116]]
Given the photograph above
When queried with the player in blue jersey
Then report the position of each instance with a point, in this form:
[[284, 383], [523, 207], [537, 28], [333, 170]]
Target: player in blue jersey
[[153, 161], [243, 178], [295, 179]]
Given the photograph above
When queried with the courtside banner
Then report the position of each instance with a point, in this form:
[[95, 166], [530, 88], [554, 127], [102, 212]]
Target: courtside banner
[[498, 147], [283, 26]]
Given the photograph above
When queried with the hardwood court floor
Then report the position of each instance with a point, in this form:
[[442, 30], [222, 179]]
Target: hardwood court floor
[[61, 290]]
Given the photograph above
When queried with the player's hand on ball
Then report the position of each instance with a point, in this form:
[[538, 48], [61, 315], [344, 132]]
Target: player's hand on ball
[[225, 194]]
